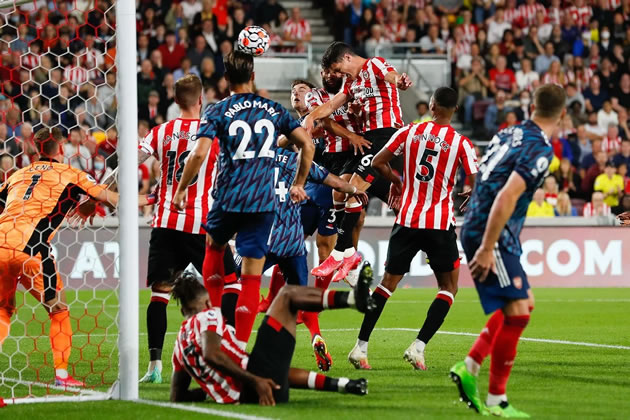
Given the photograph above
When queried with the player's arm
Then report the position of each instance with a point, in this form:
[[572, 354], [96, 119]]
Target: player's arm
[[500, 213], [191, 168], [401, 80], [180, 392], [4, 193], [357, 141], [212, 354], [110, 180], [324, 111], [381, 164], [342, 186], [303, 141]]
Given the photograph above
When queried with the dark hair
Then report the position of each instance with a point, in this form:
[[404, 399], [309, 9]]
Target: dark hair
[[47, 141], [187, 91], [445, 97], [334, 53], [549, 100], [239, 67], [186, 289], [302, 82], [422, 103]]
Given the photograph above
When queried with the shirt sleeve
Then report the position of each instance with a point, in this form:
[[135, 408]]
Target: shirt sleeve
[[208, 124], [382, 67], [210, 320], [287, 122], [533, 162], [88, 184], [176, 365], [345, 88], [313, 100], [396, 143], [149, 142], [317, 173], [468, 157]]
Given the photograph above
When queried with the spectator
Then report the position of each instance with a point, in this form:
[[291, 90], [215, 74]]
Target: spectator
[[495, 114], [567, 179], [482, 41], [107, 148], [560, 46], [523, 112], [464, 61], [472, 87], [146, 82], [574, 95], [268, 11], [189, 9], [421, 25], [526, 78], [543, 61], [624, 154], [507, 43], [236, 23], [208, 34], [75, 154], [167, 92], [624, 130], [611, 143], [516, 57], [563, 207], [363, 29], [621, 96], [172, 52], [7, 166], [583, 142], [607, 116], [550, 187], [100, 171], [497, 26], [106, 93], [208, 75], [376, 39], [297, 30], [610, 184], [8, 144], [624, 206], [502, 78], [555, 75], [594, 96], [431, 42], [422, 108], [589, 159], [539, 207], [544, 28], [494, 52], [445, 29], [152, 111], [198, 52], [185, 68], [594, 171], [395, 28], [593, 128], [596, 207], [468, 28], [533, 46]]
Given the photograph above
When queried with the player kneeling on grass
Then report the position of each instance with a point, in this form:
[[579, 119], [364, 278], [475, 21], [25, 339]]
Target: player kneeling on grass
[[208, 351], [34, 201]]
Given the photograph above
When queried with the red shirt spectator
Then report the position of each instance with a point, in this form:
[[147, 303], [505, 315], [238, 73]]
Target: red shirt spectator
[[502, 78], [581, 13], [172, 52]]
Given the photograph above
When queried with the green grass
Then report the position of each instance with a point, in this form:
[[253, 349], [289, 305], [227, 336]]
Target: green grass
[[549, 380]]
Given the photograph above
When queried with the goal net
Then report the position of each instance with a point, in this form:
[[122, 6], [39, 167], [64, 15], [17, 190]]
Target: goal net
[[58, 70]]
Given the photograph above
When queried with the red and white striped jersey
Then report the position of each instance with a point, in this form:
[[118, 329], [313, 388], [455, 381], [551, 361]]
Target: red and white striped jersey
[[610, 145], [459, 48], [589, 210], [553, 79], [171, 143], [555, 15], [76, 75], [395, 32], [31, 60], [379, 99], [297, 30], [187, 355], [512, 16], [341, 116], [581, 15], [613, 4], [581, 79], [432, 156], [527, 13], [470, 32]]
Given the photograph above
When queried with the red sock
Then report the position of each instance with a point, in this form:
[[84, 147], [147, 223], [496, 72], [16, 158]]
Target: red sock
[[311, 320], [323, 282], [213, 272], [247, 306], [481, 349], [277, 281], [504, 352]]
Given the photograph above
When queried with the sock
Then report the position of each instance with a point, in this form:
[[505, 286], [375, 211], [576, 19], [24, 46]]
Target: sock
[[311, 320], [213, 271], [420, 345], [339, 208], [350, 219], [493, 399], [228, 301], [435, 315], [504, 352], [380, 296], [472, 366], [335, 299], [247, 306], [337, 255], [155, 364], [60, 334], [325, 383], [323, 282], [481, 349], [277, 281], [363, 345], [5, 325], [156, 324]]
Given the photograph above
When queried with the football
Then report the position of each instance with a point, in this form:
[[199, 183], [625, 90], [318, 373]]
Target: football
[[253, 40]]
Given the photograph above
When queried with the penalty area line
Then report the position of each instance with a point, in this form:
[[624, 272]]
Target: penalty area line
[[201, 410]]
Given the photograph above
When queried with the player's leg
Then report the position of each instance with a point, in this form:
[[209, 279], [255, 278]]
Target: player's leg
[[403, 246], [275, 283], [231, 289], [10, 268], [325, 240], [443, 256], [304, 379]]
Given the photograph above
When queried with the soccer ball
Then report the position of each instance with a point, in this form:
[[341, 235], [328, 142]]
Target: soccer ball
[[253, 40]]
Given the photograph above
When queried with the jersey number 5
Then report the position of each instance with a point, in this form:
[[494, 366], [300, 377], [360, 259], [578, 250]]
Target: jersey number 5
[[425, 166], [265, 150], [171, 155]]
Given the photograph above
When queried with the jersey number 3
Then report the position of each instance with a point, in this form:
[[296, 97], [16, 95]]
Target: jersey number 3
[[265, 150]]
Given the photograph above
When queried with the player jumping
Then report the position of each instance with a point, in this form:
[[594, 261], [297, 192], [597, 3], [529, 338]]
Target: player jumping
[[208, 352], [248, 127], [433, 153], [513, 167], [373, 85], [35, 200]]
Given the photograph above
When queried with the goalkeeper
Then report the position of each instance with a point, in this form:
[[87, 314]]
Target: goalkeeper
[[34, 202]]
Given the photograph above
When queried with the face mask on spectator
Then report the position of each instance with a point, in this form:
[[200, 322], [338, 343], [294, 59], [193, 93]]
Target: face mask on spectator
[[99, 166], [525, 101], [605, 35]]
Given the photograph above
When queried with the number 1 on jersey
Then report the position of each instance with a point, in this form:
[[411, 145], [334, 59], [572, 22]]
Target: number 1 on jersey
[[29, 191]]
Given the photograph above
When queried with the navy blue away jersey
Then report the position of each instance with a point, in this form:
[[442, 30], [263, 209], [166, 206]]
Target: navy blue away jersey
[[287, 235], [523, 148], [248, 127]]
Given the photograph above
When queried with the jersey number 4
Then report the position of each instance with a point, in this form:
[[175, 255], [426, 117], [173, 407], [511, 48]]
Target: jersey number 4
[[171, 173], [265, 150]]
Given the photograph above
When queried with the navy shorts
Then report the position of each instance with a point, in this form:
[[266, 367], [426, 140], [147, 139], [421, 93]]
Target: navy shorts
[[252, 230], [315, 218], [294, 269], [507, 284]]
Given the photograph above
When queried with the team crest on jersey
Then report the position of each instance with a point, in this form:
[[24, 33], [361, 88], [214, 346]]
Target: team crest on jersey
[[366, 75], [518, 282]]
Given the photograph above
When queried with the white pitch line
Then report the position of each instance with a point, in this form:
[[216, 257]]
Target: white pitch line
[[201, 410]]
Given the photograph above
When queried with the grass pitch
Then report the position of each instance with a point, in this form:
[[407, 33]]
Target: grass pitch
[[551, 379]]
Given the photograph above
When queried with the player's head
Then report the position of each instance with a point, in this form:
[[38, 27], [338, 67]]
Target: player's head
[[188, 92], [190, 294], [549, 103], [299, 89], [340, 59], [48, 142], [239, 68], [443, 103], [331, 81]]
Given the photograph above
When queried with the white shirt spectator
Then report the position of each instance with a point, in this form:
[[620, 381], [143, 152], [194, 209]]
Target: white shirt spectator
[[189, 9], [544, 32], [595, 129], [495, 31], [525, 81], [77, 157], [426, 44], [604, 119]]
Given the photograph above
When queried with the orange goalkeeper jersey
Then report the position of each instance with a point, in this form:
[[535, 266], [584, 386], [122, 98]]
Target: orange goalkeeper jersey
[[36, 199]]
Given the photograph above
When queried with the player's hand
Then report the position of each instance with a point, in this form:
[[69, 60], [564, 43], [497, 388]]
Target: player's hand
[[358, 142], [624, 218], [395, 196], [481, 264], [356, 107], [297, 193], [179, 201], [83, 213], [309, 125], [360, 196], [404, 82], [466, 193], [264, 389]]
